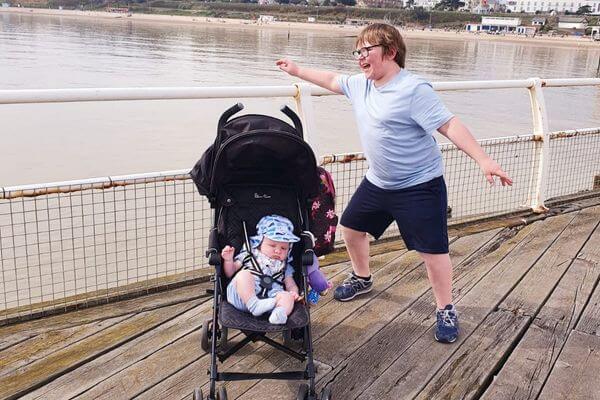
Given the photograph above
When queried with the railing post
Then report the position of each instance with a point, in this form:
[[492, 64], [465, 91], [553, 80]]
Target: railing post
[[542, 140], [304, 105]]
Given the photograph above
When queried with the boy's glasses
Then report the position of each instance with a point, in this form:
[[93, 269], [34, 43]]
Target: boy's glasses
[[363, 51]]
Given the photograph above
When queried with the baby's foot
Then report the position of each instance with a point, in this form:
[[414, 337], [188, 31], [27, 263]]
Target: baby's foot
[[278, 316], [260, 306]]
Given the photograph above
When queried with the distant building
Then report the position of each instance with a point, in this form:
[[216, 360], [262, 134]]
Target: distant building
[[265, 19], [487, 6], [380, 3], [546, 6], [426, 4], [538, 21], [526, 30], [572, 23], [495, 25]]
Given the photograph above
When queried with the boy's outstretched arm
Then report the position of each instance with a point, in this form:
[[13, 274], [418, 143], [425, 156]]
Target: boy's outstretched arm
[[459, 134], [324, 79]]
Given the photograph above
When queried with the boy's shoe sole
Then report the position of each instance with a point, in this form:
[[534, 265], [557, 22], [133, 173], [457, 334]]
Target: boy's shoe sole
[[444, 341], [357, 294]]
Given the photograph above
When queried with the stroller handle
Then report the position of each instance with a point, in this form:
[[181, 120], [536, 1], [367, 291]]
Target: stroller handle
[[295, 119], [236, 108]]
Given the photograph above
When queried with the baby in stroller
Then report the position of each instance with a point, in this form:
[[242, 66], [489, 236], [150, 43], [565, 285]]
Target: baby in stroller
[[263, 278]]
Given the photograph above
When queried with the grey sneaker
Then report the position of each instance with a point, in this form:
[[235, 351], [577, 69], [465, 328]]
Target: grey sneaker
[[352, 287]]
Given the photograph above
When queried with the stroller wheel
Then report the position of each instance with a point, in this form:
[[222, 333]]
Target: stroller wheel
[[292, 339], [223, 332], [326, 392], [302, 392], [222, 394], [197, 395], [205, 335], [287, 338]]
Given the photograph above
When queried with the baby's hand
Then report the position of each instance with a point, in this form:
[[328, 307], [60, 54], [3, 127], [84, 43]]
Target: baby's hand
[[227, 253]]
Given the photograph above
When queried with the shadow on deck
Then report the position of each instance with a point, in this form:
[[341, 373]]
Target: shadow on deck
[[530, 328]]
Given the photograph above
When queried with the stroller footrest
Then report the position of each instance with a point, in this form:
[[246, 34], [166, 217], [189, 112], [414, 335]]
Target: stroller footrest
[[241, 376]]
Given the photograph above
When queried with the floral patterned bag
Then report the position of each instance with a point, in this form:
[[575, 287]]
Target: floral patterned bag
[[323, 220]]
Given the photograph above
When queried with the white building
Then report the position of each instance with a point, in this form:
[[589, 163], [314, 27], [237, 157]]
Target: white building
[[428, 4], [495, 25], [570, 23], [531, 6]]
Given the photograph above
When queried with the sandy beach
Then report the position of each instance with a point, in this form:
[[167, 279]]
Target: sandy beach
[[335, 29]]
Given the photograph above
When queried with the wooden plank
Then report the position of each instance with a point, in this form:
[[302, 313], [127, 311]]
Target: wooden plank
[[358, 328], [495, 276], [575, 374], [590, 257], [462, 376], [181, 384], [49, 342], [36, 374], [532, 291], [119, 359], [526, 370], [16, 333]]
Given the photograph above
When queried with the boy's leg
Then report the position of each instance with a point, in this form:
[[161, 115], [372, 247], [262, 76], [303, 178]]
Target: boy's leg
[[365, 213], [357, 244], [439, 271], [420, 212]]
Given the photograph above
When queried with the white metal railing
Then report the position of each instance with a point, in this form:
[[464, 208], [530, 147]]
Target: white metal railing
[[73, 242]]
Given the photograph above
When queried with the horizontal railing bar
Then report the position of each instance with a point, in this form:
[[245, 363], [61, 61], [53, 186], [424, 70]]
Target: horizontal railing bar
[[34, 190], [570, 82], [190, 93], [149, 93]]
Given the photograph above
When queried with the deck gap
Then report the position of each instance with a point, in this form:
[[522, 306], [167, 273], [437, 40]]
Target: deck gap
[[500, 364]]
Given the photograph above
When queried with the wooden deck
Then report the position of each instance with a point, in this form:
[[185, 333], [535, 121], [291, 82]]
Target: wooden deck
[[529, 304]]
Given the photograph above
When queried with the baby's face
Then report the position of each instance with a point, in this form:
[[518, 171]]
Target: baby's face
[[273, 249]]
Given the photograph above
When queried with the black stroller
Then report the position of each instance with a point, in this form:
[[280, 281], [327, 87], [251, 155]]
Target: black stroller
[[258, 165]]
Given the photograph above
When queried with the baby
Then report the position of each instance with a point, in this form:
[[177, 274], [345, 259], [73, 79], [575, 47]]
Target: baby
[[271, 250]]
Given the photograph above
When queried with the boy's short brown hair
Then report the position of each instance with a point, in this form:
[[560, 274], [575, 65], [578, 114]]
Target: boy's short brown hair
[[387, 36]]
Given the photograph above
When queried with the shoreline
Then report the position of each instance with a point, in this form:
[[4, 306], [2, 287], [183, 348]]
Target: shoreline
[[337, 29]]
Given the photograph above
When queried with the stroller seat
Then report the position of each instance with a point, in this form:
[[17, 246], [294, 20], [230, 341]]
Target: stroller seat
[[233, 318]]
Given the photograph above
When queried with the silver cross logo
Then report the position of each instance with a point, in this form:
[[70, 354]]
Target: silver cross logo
[[261, 196]]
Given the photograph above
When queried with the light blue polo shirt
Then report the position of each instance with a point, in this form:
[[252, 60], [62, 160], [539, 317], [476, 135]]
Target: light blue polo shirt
[[396, 123]]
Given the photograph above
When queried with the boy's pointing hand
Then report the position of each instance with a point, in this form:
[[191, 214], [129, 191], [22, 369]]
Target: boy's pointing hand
[[287, 66]]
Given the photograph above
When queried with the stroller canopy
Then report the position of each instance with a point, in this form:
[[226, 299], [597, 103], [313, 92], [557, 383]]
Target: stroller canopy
[[257, 149]]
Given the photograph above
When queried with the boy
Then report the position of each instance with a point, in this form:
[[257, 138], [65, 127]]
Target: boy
[[397, 112]]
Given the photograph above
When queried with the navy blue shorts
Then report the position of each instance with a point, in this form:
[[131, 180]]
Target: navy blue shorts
[[419, 212]]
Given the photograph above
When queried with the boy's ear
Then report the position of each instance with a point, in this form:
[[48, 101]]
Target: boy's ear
[[391, 53]]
